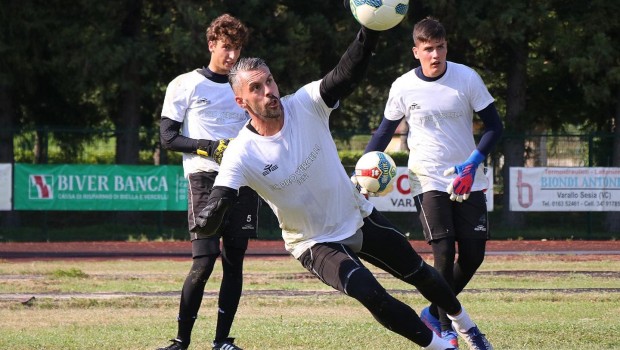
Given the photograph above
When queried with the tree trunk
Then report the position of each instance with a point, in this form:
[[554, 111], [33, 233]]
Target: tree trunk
[[127, 122], [7, 120], [127, 125], [612, 218], [41, 147], [514, 147], [7, 151]]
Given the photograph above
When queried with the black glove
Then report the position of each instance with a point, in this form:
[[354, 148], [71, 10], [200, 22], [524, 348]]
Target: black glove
[[211, 217], [213, 149]]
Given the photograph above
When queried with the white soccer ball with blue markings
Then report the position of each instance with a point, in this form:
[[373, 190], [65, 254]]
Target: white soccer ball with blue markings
[[379, 14], [375, 171]]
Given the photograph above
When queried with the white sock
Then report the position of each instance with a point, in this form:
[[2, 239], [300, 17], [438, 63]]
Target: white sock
[[438, 343], [462, 321]]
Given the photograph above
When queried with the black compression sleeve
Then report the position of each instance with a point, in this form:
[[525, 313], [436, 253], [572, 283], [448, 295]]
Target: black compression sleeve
[[381, 138], [351, 68], [169, 132], [493, 129]]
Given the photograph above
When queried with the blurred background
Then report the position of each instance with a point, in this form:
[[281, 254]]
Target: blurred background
[[82, 82]]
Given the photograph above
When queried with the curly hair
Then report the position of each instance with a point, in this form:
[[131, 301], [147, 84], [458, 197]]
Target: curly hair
[[228, 29]]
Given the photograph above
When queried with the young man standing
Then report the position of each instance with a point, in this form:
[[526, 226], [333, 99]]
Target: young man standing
[[199, 117], [438, 100], [285, 153]]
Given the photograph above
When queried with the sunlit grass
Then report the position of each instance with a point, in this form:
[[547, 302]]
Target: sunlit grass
[[507, 304]]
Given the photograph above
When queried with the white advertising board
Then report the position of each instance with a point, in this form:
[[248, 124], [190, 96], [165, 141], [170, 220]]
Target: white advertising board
[[564, 189], [400, 199], [6, 186]]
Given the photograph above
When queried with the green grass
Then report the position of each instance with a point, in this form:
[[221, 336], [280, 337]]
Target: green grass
[[517, 310]]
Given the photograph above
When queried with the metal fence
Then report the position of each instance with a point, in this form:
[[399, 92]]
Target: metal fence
[[99, 146]]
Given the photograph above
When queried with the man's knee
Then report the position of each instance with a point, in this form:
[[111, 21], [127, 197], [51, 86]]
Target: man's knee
[[202, 266], [366, 289]]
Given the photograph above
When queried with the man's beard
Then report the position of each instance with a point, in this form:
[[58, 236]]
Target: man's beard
[[269, 113]]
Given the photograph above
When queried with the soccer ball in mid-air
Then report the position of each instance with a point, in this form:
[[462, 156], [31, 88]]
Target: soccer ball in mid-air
[[379, 14], [375, 171]]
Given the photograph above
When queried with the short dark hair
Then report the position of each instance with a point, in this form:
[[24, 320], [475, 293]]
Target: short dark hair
[[228, 29], [427, 30]]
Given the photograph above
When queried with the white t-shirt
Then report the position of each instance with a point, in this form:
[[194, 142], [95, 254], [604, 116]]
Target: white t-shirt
[[440, 118], [299, 174], [207, 110]]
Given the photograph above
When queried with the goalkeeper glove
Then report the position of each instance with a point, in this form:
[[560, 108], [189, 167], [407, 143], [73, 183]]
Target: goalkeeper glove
[[460, 188], [359, 187], [367, 193], [213, 214], [213, 149]]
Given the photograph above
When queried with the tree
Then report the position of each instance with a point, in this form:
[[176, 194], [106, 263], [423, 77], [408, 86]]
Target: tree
[[590, 46]]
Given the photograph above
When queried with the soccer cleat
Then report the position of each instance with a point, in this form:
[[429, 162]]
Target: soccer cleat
[[475, 339], [430, 321], [451, 337], [226, 344], [176, 345]]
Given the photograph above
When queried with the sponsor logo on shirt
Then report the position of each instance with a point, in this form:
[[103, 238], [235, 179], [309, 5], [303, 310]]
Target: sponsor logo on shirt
[[414, 106], [269, 168], [301, 173], [203, 101], [480, 228]]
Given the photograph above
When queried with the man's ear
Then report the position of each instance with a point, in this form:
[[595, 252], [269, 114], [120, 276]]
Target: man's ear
[[415, 52], [240, 101]]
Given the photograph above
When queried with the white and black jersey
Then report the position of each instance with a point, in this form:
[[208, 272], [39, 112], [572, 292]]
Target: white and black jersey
[[207, 110], [299, 174], [440, 118]]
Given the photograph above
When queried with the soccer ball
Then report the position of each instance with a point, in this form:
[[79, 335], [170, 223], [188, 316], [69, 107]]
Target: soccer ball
[[379, 14], [375, 171]]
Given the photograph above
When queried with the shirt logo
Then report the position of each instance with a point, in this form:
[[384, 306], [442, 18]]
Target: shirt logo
[[480, 228], [203, 101], [414, 106], [269, 168]]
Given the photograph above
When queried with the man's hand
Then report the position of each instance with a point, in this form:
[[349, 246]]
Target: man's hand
[[359, 187], [213, 149], [212, 215], [366, 193], [460, 188]]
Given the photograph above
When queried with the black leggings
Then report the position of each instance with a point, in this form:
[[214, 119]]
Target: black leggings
[[230, 291], [384, 246], [459, 273]]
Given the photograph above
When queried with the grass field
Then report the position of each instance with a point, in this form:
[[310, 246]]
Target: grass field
[[521, 302]]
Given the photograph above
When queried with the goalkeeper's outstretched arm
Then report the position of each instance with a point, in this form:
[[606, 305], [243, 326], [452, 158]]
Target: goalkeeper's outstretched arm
[[211, 217], [351, 68]]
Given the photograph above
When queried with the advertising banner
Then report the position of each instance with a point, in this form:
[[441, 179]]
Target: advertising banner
[[564, 189], [6, 186], [400, 199], [99, 187]]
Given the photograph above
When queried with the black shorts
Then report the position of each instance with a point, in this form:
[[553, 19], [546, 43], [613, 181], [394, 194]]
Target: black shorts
[[383, 246], [241, 219], [211, 246], [441, 217]]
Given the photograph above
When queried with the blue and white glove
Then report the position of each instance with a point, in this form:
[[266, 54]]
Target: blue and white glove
[[460, 188]]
